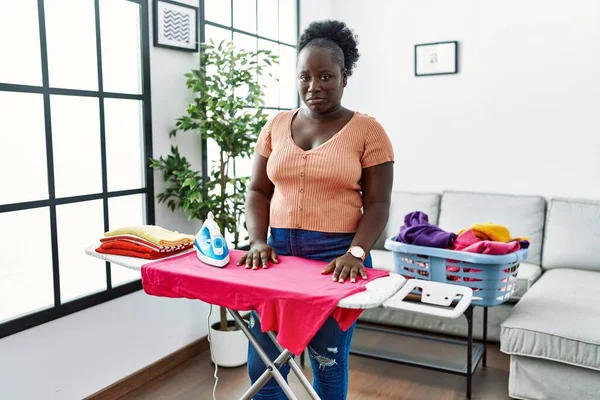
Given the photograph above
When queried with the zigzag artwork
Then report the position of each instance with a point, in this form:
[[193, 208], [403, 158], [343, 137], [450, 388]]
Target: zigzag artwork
[[176, 26]]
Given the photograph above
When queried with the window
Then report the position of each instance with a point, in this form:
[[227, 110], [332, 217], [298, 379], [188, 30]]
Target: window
[[256, 25], [74, 140]]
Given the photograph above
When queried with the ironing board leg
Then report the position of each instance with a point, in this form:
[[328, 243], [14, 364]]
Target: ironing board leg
[[485, 318], [294, 367], [272, 370], [272, 366], [469, 315]]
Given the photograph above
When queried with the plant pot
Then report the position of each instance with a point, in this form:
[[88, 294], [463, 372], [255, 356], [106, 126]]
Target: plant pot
[[228, 348]]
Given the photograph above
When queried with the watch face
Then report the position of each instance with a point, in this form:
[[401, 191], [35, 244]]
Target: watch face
[[357, 252]]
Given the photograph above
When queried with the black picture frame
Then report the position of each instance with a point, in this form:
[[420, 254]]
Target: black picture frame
[[192, 26], [451, 65]]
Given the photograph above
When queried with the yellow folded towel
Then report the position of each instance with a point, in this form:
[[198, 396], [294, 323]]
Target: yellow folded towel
[[489, 231], [155, 234]]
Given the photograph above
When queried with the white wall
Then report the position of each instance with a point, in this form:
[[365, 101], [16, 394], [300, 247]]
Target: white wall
[[520, 117], [82, 353]]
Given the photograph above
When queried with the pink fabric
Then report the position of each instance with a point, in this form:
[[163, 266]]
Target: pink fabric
[[467, 241], [291, 298]]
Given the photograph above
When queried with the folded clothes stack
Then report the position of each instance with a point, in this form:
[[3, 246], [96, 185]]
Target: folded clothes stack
[[144, 241]]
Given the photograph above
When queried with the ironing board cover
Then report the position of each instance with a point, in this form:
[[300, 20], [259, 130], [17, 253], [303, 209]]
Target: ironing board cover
[[291, 298]]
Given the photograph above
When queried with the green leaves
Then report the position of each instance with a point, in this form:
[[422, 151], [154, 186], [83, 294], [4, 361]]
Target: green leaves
[[225, 108]]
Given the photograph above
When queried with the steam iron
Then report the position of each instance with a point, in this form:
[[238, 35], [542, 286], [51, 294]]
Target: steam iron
[[211, 247]]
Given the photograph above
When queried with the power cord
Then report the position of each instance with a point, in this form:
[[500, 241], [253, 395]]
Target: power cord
[[212, 356]]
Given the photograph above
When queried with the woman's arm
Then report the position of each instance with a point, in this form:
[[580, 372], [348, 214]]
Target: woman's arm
[[258, 201], [377, 184]]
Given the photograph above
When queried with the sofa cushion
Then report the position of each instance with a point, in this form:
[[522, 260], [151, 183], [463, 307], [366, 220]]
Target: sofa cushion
[[526, 277], [403, 203], [522, 215], [572, 236], [558, 319]]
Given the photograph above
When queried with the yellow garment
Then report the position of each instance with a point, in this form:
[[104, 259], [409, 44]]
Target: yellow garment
[[154, 234], [489, 231]]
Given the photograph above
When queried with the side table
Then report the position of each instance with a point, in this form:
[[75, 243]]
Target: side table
[[415, 356]]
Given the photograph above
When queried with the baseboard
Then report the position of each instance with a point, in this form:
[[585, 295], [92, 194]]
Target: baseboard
[[152, 371]]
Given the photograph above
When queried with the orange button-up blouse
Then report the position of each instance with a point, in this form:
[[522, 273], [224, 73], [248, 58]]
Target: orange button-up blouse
[[319, 189]]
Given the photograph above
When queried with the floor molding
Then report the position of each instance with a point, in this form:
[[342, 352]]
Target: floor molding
[[152, 371]]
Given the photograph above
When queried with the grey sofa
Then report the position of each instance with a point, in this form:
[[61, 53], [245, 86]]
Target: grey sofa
[[551, 325]]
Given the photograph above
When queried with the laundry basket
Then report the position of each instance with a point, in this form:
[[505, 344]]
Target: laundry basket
[[492, 277]]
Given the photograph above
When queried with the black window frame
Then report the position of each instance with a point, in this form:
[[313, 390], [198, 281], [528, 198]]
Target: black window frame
[[59, 309]]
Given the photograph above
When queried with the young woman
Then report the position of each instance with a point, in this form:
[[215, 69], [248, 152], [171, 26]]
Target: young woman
[[321, 182]]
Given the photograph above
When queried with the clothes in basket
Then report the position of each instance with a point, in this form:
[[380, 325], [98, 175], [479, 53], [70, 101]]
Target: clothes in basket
[[480, 238]]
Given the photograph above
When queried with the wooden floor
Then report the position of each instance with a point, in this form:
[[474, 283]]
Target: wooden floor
[[369, 379]]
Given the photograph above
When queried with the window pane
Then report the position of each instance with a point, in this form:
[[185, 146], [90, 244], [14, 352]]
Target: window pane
[[79, 225], [216, 34], [270, 113], [20, 43], [269, 82], [124, 151], [244, 15], [212, 154], [245, 42], [121, 51], [288, 95], [23, 124], [76, 145], [125, 211], [71, 40], [288, 30], [248, 43], [268, 26], [26, 283], [243, 166], [218, 11]]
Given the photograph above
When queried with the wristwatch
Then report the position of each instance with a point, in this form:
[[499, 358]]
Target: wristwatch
[[357, 252]]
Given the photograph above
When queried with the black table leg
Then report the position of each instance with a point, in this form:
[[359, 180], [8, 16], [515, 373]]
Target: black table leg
[[485, 320], [469, 315]]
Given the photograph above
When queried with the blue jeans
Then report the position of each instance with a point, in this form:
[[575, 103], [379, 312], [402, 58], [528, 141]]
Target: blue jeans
[[330, 347]]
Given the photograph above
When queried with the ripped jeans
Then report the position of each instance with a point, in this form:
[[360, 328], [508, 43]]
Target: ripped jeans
[[329, 348]]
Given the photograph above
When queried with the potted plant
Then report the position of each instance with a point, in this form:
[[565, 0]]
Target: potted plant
[[226, 109]]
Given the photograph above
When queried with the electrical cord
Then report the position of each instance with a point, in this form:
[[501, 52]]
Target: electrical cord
[[212, 355]]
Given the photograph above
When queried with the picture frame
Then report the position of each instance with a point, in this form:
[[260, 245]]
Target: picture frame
[[175, 26], [440, 58]]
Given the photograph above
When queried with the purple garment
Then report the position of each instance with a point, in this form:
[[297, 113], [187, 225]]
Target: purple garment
[[524, 244], [418, 231]]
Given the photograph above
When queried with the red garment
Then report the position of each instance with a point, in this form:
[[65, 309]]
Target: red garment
[[467, 241], [130, 249], [144, 242], [291, 298]]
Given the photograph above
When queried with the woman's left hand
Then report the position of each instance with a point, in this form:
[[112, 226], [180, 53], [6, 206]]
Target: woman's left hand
[[344, 266]]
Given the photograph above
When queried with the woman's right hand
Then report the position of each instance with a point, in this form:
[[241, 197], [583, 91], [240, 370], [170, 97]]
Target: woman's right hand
[[259, 254]]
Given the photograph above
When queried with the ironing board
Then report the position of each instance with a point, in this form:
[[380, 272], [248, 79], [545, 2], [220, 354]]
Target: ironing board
[[388, 291]]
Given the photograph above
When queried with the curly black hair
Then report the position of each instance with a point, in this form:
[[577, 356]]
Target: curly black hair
[[334, 36]]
